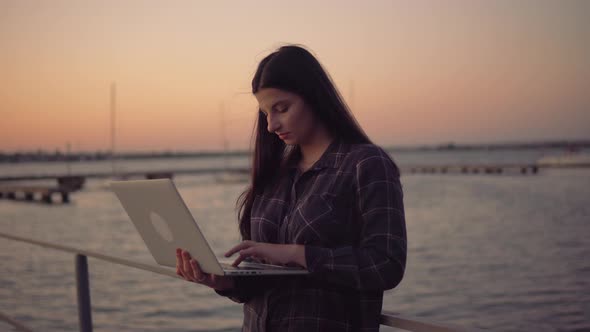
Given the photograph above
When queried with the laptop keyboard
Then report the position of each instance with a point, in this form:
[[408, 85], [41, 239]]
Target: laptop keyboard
[[253, 266], [231, 267]]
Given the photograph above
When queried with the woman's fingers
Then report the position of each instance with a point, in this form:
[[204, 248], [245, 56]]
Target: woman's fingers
[[250, 249], [178, 269], [188, 269], [198, 274], [238, 261], [180, 264], [245, 253], [240, 246], [177, 264], [202, 277]]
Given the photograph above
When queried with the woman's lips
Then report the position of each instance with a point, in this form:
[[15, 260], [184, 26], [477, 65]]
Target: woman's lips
[[283, 135]]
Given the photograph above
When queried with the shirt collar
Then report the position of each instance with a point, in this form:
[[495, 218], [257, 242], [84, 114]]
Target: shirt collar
[[331, 158]]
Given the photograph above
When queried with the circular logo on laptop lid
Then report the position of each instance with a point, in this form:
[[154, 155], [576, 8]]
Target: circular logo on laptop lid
[[161, 226]]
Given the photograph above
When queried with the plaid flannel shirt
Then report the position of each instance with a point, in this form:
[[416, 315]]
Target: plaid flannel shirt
[[348, 212]]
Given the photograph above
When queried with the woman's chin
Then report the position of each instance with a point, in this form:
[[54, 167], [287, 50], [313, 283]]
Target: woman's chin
[[290, 141]]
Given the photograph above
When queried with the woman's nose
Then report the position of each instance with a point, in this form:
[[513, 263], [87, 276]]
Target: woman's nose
[[273, 123]]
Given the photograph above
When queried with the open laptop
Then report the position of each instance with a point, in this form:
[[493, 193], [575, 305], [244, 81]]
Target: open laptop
[[165, 223]]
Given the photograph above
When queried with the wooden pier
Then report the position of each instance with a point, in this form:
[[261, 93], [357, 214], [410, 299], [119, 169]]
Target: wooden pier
[[33, 193], [127, 175], [65, 186], [473, 169], [410, 169], [68, 184], [44, 193]]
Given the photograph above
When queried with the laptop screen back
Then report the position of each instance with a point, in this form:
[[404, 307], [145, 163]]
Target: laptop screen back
[[164, 222]]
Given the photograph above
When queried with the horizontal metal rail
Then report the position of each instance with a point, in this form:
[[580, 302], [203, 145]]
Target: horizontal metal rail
[[387, 318], [15, 324]]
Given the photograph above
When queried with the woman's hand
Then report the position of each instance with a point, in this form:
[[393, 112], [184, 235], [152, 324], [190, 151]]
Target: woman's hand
[[189, 269], [278, 254]]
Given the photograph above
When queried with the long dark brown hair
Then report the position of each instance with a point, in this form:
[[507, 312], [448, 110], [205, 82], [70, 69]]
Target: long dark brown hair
[[294, 69]]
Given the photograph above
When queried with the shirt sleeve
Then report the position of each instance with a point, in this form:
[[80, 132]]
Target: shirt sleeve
[[247, 287], [378, 261], [244, 289]]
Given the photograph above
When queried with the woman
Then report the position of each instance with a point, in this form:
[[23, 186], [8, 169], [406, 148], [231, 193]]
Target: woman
[[322, 197]]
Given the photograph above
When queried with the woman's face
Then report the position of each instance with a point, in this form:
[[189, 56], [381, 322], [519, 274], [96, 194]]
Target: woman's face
[[287, 115]]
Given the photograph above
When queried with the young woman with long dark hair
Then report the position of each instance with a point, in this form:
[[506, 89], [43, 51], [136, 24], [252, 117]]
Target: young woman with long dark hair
[[322, 196]]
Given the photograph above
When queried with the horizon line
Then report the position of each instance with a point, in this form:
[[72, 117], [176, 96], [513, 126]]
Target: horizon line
[[443, 145]]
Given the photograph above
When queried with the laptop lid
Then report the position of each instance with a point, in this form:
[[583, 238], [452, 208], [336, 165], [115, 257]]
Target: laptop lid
[[164, 222]]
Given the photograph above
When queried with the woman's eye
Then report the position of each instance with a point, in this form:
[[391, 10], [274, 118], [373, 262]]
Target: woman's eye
[[283, 109]]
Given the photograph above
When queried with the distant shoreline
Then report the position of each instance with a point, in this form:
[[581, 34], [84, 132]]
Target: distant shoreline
[[59, 156]]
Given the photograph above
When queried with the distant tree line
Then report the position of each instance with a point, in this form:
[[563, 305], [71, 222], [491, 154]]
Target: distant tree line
[[59, 156]]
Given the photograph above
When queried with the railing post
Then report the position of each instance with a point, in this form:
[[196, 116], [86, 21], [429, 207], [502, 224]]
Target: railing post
[[82, 285]]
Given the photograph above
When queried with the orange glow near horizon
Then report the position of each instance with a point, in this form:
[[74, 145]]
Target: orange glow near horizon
[[412, 72]]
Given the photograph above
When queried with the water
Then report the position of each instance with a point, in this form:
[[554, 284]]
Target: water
[[500, 252]]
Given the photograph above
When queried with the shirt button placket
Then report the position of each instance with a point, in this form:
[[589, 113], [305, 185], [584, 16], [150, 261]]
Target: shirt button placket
[[284, 228]]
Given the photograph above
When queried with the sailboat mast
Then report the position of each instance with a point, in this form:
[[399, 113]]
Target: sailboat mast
[[113, 113], [224, 134]]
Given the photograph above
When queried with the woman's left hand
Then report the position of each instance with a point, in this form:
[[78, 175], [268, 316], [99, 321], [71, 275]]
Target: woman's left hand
[[278, 254]]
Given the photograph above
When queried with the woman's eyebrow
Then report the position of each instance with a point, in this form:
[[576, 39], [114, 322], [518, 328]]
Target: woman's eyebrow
[[276, 103]]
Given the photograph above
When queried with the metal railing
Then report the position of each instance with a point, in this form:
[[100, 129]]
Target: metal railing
[[85, 310]]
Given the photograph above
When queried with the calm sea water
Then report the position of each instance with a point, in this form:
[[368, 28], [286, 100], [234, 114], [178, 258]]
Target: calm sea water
[[500, 252]]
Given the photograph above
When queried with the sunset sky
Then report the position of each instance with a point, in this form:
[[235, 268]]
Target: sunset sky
[[413, 72]]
